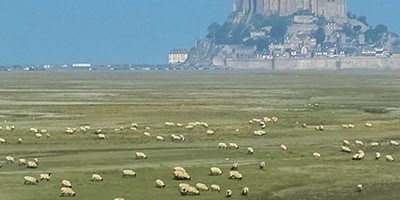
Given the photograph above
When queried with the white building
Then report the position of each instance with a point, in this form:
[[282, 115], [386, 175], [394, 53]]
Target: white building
[[177, 56]]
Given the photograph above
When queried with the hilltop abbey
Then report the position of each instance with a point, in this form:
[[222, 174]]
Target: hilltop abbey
[[330, 9]]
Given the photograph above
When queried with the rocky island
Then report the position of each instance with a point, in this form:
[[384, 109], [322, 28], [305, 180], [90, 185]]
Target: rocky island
[[293, 34]]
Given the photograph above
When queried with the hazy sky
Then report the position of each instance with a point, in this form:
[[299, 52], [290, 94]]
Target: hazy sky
[[124, 31]]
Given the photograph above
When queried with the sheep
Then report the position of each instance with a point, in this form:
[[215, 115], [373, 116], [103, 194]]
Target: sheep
[[19, 141], [160, 138], [47, 135], [69, 131], [183, 185], [215, 188], [235, 175], [233, 146], [284, 147], [189, 191], [10, 159], [201, 186], [98, 131], [250, 151], [228, 193], [182, 137], [3, 141], [29, 180], [389, 158], [179, 124], [222, 145], [215, 171], [22, 161], [34, 130], [346, 149], [128, 173], [140, 155], [177, 137], [262, 165], [204, 124], [394, 143], [43, 131], [45, 176], [169, 124], [235, 166], [178, 168], [147, 134], [119, 198], [319, 128], [359, 156], [66, 183], [134, 125], [316, 155], [97, 177], [67, 192], [210, 132], [160, 183], [304, 125], [259, 133], [31, 165], [38, 135], [346, 143], [368, 125], [351, 126], [101, 136], [245, 191], [359, 143], [10, 128], [375, 144], [359, 187], [83, 129], [181, 175], [377, 155], [274, 119], [263, 125]]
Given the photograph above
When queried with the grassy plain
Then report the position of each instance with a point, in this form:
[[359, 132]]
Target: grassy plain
[[226, 101]]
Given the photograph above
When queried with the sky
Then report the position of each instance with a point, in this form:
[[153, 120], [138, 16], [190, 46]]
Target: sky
[[124, 31]]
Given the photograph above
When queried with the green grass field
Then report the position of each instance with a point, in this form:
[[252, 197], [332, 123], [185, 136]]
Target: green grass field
[[226, 101]]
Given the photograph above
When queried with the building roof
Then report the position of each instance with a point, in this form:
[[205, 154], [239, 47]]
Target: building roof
[[179, 51]]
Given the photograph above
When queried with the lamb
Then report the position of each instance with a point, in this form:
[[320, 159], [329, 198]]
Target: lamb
[[346, 149], [235, 175], [377, 155], [67, 192], [45, 176], [222, 145], [250, 151], [3, 141], [389, 158], [215, 171], [284, 147], [160, 138], [228, 193], [160, 183], [128, 173], [262, 165], [201, 186], [316, 155], [29, 180], [394, 143], [235, 166], [233, 146], [10, 159], [97, 178], [140, 155], [215, 188], [181, 175], [101, 136], [31, 165], [66, 183], [245, 191]]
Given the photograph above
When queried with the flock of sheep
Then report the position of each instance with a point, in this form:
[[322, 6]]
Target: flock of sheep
[[180, 173]]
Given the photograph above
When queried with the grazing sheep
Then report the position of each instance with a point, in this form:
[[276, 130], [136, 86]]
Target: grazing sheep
[[181, 175], [67, 192], [128, 173], [204, 124], [69, 131], [183, 185], [160, 183], [346, 149], [3, 141], [222, 145], [368, 125], [169, 123], [259, 132], [43, 131], [147, 134], [19, 141], [359, 187], [245, 191], [97, 178], [29, 180], [375, 144], [31, 165], [359, 143], [284, 147], [319, 128], [263, 125], [201, 186], [182, 137], [215, 171], [210, 132], [377, 155], [189, 191], [262, 165], [34, 130], [140, 155], [389, 158], [10, 159], [346, 143], [45, 176], [160, 138], [235, 166], [47, 135], [38, 135], [394, 143], [98, 131], [119, 198], [228, 193], [351, 126], [178, 168], [22, 161], [233, 146], [250, 151], [147, 128], [304, 125], [177, 137], [101, 136], [235, 175], [66, 183], [359, 156], [215, 188], [316, 155], [135, 125]]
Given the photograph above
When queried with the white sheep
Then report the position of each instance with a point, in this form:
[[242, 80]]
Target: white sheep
[[368, 125], [316, 155], [375, 144], [250, 151], [215, 188], [66, 183], [215, 171], [222, 145], [233, 146], [179, 168], [119, 198], [45, 176], [19, 141], [210, 132], [31, 165], [160, 138], [183, 185], [235, 166], [245, 191], [284, 147], [394, 143], [177, 137], [359, 156], [181, 175], [259, 132], [359, 143], [67, 192], [29, 180], [235, 175], [228, 193], [101, 136], [346, 143], [160, 183], [169, 123], [22, 161], [359, 187], [34, 130], [128, 173], [189, 191], [140, 155], [389, 158], [10, 159], [97, 177], [3, 141], [262, 165], [98, 131], [346, 149], [351, 126], [201, 186], [204, 124], [38, 135], [377, 155]]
